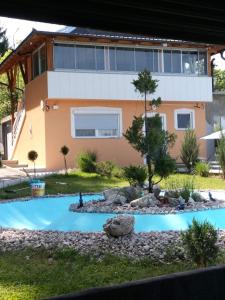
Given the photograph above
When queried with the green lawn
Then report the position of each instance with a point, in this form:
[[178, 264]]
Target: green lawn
[[86, 182], [72, 183], [212, 182], [36, 274]]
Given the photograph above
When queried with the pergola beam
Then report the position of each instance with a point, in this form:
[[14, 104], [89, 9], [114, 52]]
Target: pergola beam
[[191, 20]]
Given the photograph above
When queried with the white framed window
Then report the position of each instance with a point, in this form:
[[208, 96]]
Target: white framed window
[[96, 122], [184, 119], [162, 116]]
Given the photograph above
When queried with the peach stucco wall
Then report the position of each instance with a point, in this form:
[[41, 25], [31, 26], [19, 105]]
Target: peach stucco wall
[[58, 132], [47, 131], [32, 136]]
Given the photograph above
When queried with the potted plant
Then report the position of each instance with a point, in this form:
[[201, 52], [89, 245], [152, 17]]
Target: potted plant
[[37, 186]]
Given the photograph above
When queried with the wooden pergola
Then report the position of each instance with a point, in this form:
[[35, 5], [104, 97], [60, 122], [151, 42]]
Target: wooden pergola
[[200, 21]]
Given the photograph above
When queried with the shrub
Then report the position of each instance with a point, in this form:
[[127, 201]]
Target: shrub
[[105, 168], [197, 197], [200, 242], [220, 153], [135, 175], [189, 150], [187, 188], [117, 172], [173, 183], [202, 169], [87, 161]]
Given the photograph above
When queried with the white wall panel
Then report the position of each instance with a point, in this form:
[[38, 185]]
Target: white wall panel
[[117, 86]]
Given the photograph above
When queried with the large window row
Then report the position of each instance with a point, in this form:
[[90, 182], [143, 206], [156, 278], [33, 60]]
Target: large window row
[[88, 57]]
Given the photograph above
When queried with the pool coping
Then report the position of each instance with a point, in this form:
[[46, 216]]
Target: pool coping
[[47, 196]]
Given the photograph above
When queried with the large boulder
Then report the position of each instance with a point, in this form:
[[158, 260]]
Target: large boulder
[[110, 192], [117, 199], [173, 202], [191, 201], [119, 226], [130, 192], [171, 194], [145, 201]]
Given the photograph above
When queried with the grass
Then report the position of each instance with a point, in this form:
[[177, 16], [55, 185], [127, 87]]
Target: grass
[[91, 182], [212, 182], [35, 274], [74, 183]]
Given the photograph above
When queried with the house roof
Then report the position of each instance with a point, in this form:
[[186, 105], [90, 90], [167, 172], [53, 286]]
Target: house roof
[[88, 32], [36, 38]]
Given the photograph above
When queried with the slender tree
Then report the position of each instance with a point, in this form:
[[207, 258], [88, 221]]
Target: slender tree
[[153, 143], [65, 150]]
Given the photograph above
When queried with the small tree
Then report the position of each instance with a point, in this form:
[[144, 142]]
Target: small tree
[[153, 142], [32, 156], [220, 153], [200, 241], [189, 149], [65, 150]]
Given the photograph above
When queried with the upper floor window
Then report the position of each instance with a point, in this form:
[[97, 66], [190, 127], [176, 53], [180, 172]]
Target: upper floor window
[[132, 59], [39, 61], [184, 119], [187, 62], [82, 57], [172, 61]]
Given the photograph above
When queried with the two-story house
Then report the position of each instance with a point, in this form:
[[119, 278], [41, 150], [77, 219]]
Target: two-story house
[[78, 92]]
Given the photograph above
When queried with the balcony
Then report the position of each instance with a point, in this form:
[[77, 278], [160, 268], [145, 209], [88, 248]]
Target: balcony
[[117, 86]]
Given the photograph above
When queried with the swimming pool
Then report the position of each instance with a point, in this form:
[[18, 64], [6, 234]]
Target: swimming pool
[[52, 213]]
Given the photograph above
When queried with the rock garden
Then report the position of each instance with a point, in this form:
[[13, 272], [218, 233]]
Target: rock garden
[[133, 200]]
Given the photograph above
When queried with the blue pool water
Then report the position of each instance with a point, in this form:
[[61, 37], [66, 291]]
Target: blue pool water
[[53, 214]]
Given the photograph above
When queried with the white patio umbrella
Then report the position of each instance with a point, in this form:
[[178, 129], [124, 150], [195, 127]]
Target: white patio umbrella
[[214, 136]]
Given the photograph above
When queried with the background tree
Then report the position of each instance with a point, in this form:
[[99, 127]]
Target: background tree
[[189, 149], [65, 150], [5, 97], [219, 80], [4, 44], [153, 143]]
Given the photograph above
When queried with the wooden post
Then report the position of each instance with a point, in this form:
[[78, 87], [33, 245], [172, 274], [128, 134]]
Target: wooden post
[[11, 74]]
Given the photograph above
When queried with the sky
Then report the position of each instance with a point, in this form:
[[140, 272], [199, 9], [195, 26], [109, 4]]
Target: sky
[[17, 30]]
